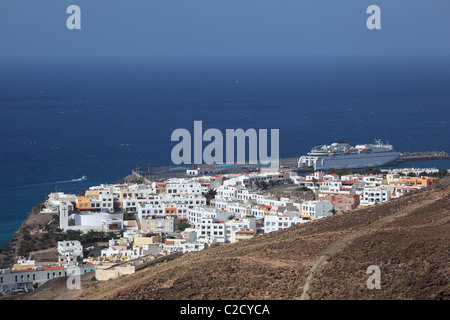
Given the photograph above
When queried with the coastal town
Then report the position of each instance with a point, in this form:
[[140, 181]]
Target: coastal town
[[143, 222]]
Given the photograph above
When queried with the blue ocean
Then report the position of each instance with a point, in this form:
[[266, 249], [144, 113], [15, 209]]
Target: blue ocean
[[62, 119]]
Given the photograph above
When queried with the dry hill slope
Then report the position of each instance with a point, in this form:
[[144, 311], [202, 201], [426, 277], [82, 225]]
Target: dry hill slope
[[407, 238]]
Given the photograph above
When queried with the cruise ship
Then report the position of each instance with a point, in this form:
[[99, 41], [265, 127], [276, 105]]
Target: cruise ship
[[341, 155]]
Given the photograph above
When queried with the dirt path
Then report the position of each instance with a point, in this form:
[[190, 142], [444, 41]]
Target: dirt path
[[53, 249], [346, 240], [73, 294]]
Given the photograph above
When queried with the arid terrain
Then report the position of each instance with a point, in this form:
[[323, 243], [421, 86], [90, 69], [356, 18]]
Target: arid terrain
[[408, 238]]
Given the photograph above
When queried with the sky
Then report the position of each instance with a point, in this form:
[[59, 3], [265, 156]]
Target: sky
[[216, 28]]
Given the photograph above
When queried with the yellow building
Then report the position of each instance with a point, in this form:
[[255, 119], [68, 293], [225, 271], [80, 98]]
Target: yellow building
[[110, 270], [244, 234], [159, 224], [267, 209], [161, 188], [92, 194], [125, 194], [23, 264], [149, 238], [174, 241]]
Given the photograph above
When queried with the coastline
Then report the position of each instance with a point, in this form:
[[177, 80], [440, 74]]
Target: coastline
[[32, 223], [9, 249]]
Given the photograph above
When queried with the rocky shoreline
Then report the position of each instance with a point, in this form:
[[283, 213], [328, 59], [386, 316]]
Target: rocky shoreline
[[31, 227], [8, 252]]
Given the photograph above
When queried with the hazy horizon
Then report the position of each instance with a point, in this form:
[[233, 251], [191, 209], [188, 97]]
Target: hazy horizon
[[217, 28]]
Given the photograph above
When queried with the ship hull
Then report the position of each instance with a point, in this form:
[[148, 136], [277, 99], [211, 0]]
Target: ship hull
[[351, 161]]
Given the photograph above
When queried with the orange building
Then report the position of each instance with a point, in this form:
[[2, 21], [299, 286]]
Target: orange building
[[92, 194], [170, 209], [83, 203], [161, 188], [419, 181], [267, 209]]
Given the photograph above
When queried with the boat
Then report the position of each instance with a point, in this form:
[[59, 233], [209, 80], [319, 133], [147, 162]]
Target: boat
[[340, 155]]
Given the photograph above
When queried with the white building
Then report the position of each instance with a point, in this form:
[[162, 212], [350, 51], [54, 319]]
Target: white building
[[200, 171], [416, 171], [158, 205], [182, 187], [244, 194], [119, 253], [185, 247], [315, 175], [227, 192], [97, 221], [18, 281], [371, 196], [68, 248], [131, 204], [331, 177], [196, 215], [190, 200], [145, 209], [372, 180], [63, 215], [104, 202], [248, 179], [211, 230], [330, 187], [316, 209], [273, 202], [280, 222], [54, 201], [232, 226]]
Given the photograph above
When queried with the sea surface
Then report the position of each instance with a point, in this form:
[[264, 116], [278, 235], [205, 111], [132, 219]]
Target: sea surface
[[60, 120]]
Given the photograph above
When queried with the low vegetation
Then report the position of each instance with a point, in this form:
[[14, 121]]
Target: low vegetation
[[35, 237]]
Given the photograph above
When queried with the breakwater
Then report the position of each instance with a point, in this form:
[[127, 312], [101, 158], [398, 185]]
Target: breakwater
[[423, 155], [155, 173], [147, 175]]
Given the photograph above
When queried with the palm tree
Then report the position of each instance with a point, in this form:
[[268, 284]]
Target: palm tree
[[314, 181], [211, 194]]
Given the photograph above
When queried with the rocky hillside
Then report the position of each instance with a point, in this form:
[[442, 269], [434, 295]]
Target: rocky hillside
[[408, 238], [27, 237]]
